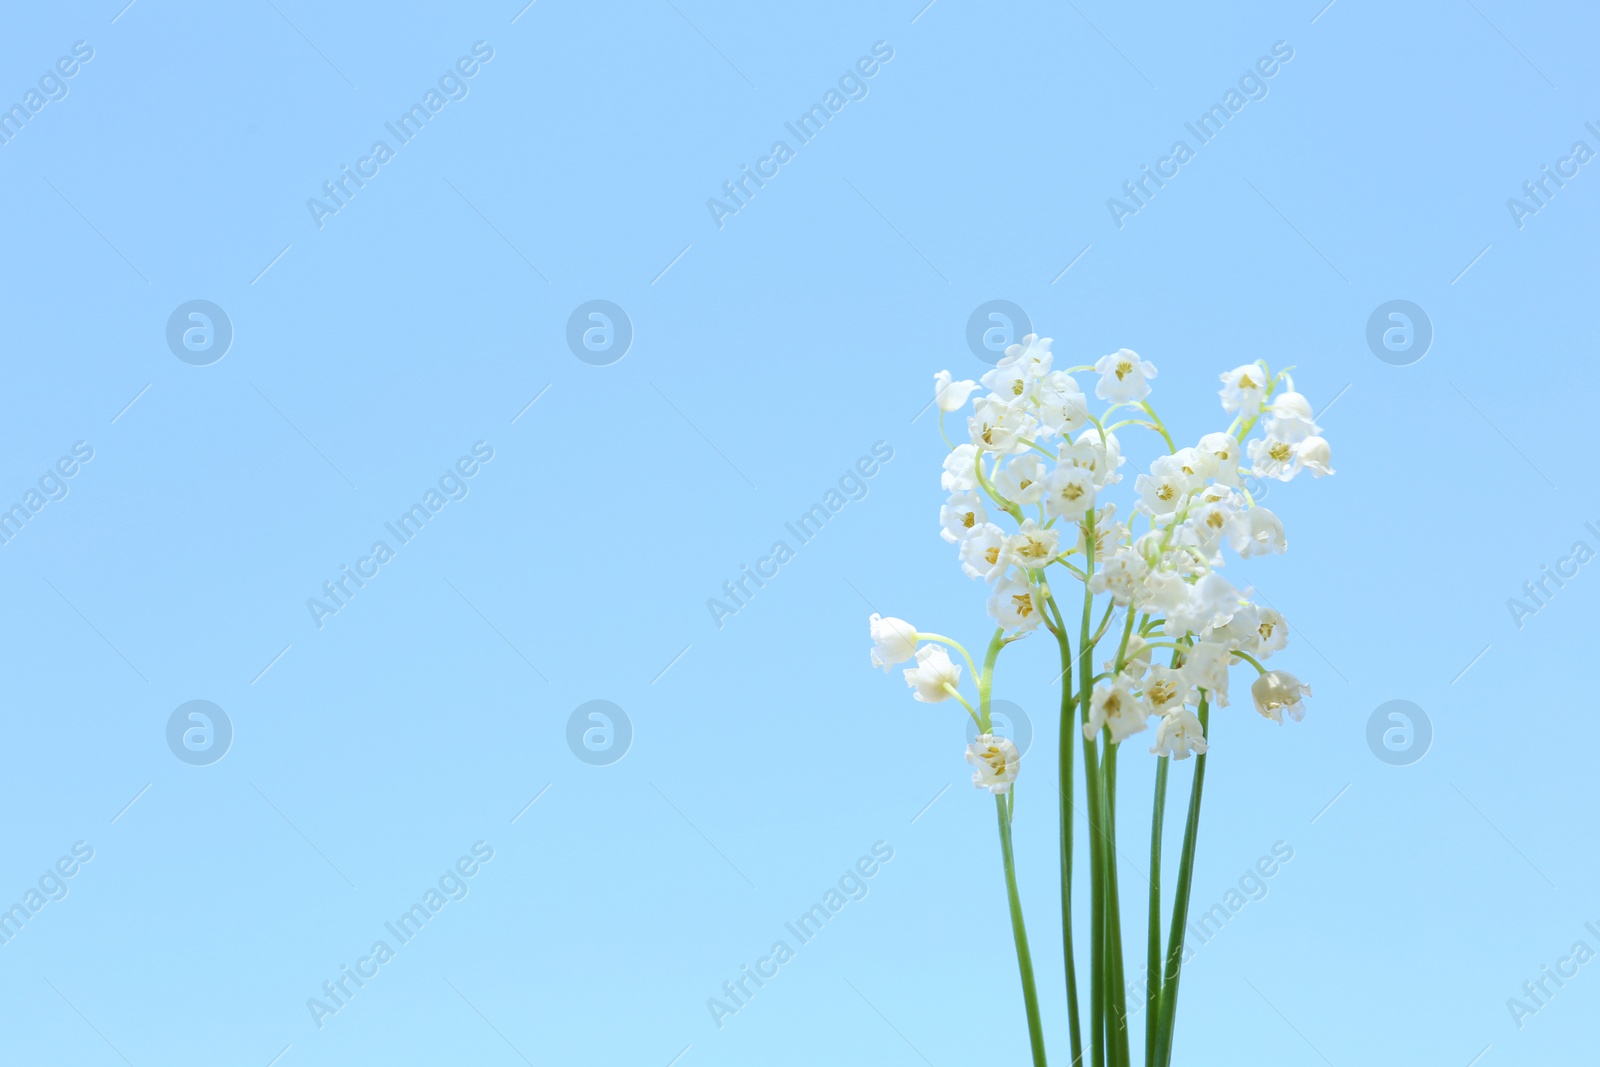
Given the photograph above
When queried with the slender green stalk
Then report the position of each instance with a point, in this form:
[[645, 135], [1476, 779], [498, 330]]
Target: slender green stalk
[[1004, 805], [1117, 1009], [1069, 726], [1030, 995], [953, 643], [1180, 904], [1250, 660], [1117, 988], [1097, 897], [1153, 956], [986, 679], [1092, 793]]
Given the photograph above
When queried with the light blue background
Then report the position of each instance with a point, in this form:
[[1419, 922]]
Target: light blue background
[[774, 352]]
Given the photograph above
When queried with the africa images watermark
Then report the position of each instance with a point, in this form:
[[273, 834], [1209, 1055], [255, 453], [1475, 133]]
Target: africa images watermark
[[452, 485], [1252, 87], [452, 885], [1538, 192], [1580, 553], [52, 86], [852, 85], [852, 885], [52, 886], [52, 486], [452, 85], [852, 486], [1252, 887], [1538, 991]]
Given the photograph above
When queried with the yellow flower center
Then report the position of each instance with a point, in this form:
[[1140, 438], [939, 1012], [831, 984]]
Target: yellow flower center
[[1022, 604], [995, 759], [1280, 451], [1071, 491], [968, 519], [992, 554], [1124, 368], [1166, 492], [1245, 382]]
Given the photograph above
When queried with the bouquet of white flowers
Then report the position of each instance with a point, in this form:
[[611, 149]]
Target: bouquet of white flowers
[[1028, 513]]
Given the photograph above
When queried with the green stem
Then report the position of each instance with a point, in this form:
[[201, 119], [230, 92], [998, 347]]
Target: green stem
[[953, 643], [1097, 900], [1159, 425], [1153, 956], [953, 691], [1092, 793], [994, 494], [1030, 996], [1117, 1013], [1180, 904], [1250, 660], [986, 679], [1068, 728]]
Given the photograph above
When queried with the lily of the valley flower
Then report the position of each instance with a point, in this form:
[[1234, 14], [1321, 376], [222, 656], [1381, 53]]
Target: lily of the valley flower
[[1315, 456], [1100, 451], [999, 427], [1224, 448], [1256, 532], [1069, 492], [1033, 547], [1063, 409], [1116, 708], [1164, 491], [1272, 631], [1122, 575], [1167, 689], [1279, 693], [932, 673], [1124, 377], [1178, 734], [893, 641], [1273, 457], [1207, 668], [962, 513], [960, 474], [952, 396], [983, 552], [1014, 605], [1291, 418], [1021, 479], [1212, 602], [997, 761], [1244, 388]]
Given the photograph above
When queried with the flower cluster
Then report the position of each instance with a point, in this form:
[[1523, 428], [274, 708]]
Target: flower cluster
[[1027, 507]]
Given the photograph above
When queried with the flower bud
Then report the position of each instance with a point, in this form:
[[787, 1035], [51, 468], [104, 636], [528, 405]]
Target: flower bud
[[894, 641]]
